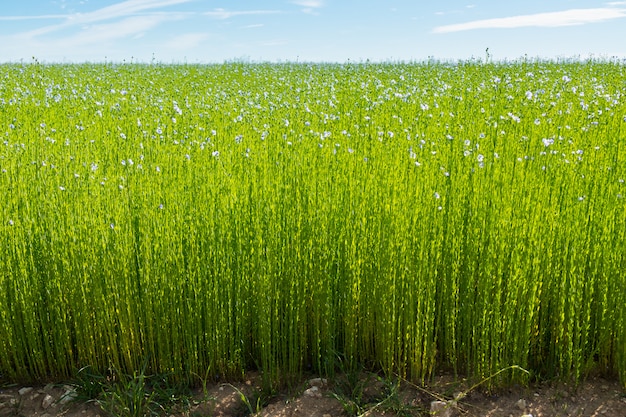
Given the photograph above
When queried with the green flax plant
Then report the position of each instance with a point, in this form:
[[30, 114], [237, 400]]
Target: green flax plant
[[410, 217]]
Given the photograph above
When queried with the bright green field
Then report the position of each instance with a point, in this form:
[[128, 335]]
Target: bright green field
[[404, 217]]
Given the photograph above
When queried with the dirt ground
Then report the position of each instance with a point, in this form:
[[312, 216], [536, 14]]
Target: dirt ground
[[366, 395]]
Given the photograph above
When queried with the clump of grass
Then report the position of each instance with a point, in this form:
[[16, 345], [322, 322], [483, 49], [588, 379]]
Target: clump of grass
[[138, 394]]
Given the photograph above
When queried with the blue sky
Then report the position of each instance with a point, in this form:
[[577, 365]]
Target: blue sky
[[204, 31]]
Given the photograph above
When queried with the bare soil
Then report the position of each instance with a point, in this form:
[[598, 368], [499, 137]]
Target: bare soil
[[369, 396]]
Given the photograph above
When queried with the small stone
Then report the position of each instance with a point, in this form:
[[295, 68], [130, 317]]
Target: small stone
[[313, 392], [7, 400], [521, 404], [70, 394], [318, 382], [47, 401], [25, 390], [441, 409], [527, 415]]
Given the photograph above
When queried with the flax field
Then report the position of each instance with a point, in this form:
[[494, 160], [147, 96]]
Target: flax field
[[407, 217]]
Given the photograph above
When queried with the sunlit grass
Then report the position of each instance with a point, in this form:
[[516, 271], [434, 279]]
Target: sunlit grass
[[228, 217]]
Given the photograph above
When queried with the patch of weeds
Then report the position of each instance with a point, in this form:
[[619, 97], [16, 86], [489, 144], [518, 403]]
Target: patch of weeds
[[456, 400], [349, 390], [169, 393], [390, 399], [362, 393], [204, 381], [208, 400], [349, 387], [130, 397], [254, 402], [136, 395], [89, 385]]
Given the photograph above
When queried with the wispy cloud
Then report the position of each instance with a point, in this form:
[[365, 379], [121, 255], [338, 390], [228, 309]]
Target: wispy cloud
[[131, 27], [95, 33], [554, 19], [309, 6], [35, 17], [309, 3], [123, 10], [227, 14]]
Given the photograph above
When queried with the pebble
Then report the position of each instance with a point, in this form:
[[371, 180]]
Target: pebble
[[521, 404], [47, 401], [25, 390], [313, 392], [318, 382], [69, 395], [5, 397], [441, 409]]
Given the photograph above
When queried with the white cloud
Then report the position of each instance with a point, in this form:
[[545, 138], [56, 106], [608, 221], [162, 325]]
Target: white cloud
[[450, 12], [134, 26], [311, 4], [93, 35], [225, 14], [554, 19], [124, 9], [36, 17], [89, 34]]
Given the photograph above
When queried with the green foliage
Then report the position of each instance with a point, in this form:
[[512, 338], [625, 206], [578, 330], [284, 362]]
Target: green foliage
[[138, 394], [467, 216]]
